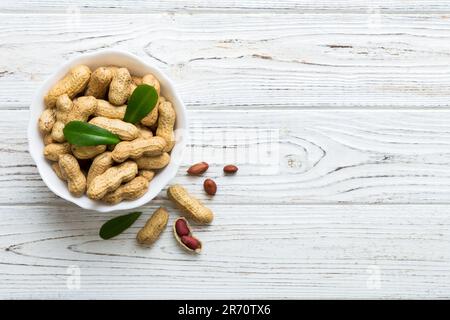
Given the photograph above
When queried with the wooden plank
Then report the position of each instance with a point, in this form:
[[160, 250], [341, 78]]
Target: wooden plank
[[285, 157], [331, 200], [250, 251], [247, 61], [229, 6]]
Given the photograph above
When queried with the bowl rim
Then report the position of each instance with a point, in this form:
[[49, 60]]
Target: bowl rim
[[39, 161]]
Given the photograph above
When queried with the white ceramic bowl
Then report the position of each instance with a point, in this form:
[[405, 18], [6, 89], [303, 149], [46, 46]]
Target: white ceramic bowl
[[137, 67]]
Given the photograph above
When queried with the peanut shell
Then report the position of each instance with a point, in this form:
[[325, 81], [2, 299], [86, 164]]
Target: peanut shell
[[191, 206], [131, 190], [153, 163], [99, 82], [101, 163], [125, 131], [178, 237], [72, 84], [111, 179], [153, 227]]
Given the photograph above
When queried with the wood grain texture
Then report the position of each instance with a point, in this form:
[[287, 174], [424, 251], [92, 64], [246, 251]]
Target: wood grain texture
[[249, 251], [287, 157], [229, 6], [335, 111], [247, 61]]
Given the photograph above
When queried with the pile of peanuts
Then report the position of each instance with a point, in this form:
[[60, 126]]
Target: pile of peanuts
[[110, 173]]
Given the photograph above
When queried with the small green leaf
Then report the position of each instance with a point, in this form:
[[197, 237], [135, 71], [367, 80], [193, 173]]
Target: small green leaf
[[118, 225], [85, 134], [141, 103]]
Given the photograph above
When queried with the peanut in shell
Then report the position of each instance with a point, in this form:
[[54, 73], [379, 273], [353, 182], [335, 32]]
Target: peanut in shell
[[153, 227], [191, 206], [74, 82]]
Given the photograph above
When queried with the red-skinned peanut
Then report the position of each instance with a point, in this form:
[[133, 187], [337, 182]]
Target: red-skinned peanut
[[184, 237], [210, 187], [198, 168], [190, 242], [181, 228], [231, 168]]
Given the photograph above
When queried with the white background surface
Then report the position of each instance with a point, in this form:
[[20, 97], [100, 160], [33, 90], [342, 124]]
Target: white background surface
[[351, 96]]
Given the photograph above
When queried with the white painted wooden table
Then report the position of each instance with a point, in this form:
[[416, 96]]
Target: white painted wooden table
[[351, 99]]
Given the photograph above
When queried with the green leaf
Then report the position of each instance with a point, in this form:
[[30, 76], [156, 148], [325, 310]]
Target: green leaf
[[85, 134], [118, 225], [141, 103]]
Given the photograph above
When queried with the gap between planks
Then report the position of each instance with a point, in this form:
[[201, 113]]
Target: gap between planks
[[344, 157], [300, 251], [297, 59]]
